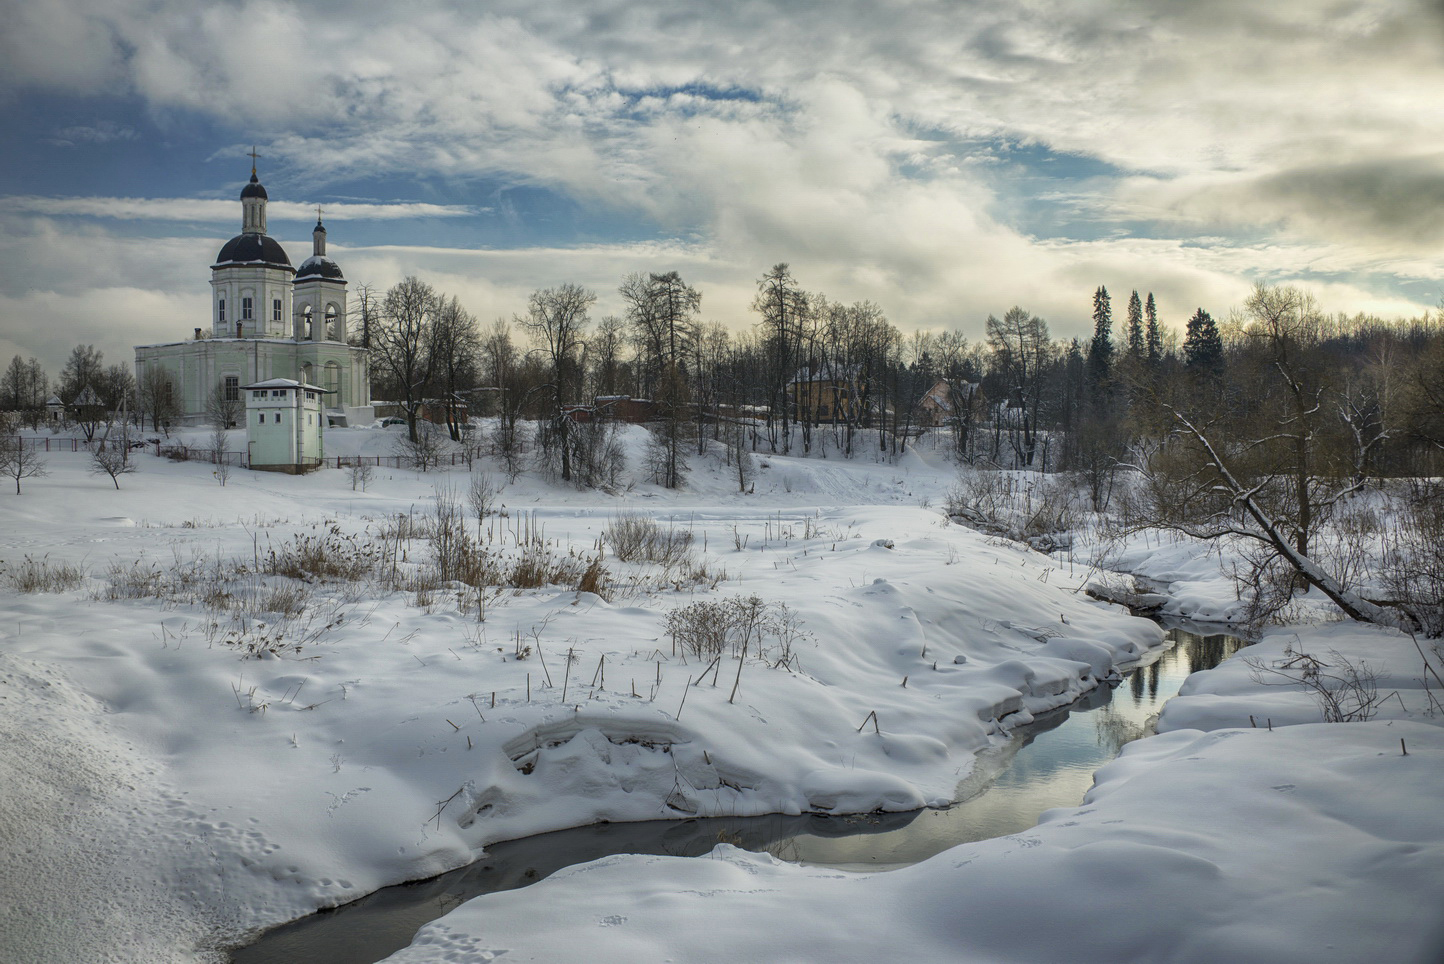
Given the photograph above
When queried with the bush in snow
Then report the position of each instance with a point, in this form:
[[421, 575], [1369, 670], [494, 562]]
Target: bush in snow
[[710, 628], [39, 575], [634, 537], [1413, 569]]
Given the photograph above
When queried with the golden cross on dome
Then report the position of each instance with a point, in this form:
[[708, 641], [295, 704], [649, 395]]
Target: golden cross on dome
[[253, 155]]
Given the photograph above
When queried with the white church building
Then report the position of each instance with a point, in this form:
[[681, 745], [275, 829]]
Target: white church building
[[268, 320]]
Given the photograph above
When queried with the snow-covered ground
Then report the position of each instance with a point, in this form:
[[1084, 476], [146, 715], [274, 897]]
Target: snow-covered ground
[[1306, 842], [163, 794]]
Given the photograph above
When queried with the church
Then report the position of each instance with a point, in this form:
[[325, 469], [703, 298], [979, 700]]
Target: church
[[268, 320]]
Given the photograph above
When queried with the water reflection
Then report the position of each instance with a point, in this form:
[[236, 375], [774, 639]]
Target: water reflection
[[1048, 764]]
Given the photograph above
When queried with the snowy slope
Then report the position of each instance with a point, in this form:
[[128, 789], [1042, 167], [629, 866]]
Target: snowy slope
[[224, 793]]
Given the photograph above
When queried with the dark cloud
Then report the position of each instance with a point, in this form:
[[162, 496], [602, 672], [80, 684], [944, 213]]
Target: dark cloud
[[1398, 199]]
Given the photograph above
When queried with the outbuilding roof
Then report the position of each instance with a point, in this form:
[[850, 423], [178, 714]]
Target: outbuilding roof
[[286, 383]]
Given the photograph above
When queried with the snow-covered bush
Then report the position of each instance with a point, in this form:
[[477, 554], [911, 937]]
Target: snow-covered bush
[[1035, 508], [738, 626], [1413, 566]]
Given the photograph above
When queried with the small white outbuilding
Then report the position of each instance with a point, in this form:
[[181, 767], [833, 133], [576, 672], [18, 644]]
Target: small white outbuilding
[[285, 419]]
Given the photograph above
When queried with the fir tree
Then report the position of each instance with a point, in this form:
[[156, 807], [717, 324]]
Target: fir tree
[[1100, 350], [1153, 337], [1202, 347], [1135, 326]]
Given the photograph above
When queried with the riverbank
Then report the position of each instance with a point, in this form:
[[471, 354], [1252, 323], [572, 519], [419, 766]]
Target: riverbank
[[1048, 763], [1308, 842]]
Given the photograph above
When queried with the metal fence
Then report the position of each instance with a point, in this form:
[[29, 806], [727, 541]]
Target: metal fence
[[49, 444], [393, 461], [184, 453], [177, 452]]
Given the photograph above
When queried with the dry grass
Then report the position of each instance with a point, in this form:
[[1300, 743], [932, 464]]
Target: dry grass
[[634, 537], [324, 554], [41, 575]]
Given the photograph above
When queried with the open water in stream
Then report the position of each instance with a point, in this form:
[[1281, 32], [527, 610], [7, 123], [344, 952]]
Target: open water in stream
[[1049, 763]]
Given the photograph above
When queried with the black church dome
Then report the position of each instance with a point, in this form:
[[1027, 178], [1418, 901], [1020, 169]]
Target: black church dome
[[318, 266], [253, 249], [254, 189]]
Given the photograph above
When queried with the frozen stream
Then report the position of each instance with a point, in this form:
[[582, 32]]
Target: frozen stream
[[1048, 764]]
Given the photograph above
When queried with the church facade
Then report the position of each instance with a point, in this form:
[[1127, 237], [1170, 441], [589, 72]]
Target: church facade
[[268, 320]]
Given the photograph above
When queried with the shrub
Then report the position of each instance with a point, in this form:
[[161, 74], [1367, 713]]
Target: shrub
[[537, 565], [741, 625], [635, 537], [1037, 510], [361, 473], [327, 554], [1413, 565], [596, 579]]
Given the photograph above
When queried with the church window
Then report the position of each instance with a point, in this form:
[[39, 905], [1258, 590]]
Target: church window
[[331, 316], [276, 309], [233, 388], [221, 311], [247, 309], [307, 331]]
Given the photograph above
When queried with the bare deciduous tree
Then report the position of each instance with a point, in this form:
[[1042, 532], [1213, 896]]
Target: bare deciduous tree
[[19, 460], [557, 320], [402, 346], [455, 348], [112, 458], [1020, 349], [157, 396]]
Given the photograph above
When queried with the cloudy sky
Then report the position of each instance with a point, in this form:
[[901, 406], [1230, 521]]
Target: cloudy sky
[[943, 159]]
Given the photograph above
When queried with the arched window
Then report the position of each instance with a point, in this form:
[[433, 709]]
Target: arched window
[[333, 377], [306, 319], [331, 333]]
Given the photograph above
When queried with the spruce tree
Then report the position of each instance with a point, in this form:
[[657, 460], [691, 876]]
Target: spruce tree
[[1202, 346], [1153, 337], [1135, 326], [1100, 350]]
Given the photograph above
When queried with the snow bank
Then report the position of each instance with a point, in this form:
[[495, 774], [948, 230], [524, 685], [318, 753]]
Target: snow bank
[[1309, 844], [404, 736]]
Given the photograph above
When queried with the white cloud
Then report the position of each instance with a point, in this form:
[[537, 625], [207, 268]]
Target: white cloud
[[759, 133], [101, 132], [209, 209]]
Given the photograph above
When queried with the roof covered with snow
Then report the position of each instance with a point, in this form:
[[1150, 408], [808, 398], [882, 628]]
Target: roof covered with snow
[[319, 266], [284, 383]]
